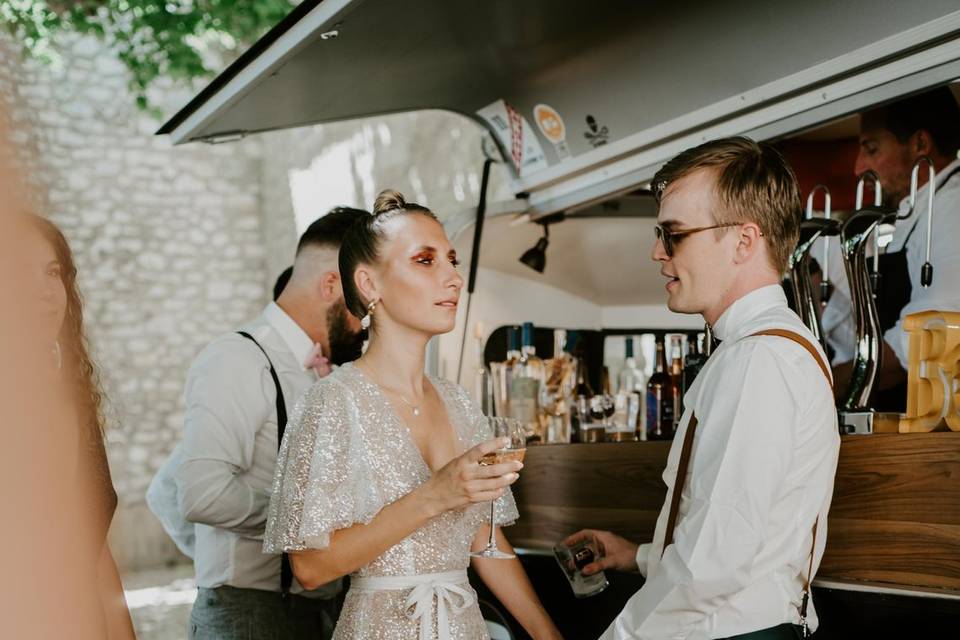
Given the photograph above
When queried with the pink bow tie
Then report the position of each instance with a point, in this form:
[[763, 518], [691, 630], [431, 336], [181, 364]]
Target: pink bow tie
[[316, 361]]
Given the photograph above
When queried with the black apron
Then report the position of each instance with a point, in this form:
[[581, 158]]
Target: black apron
[[892, 296]]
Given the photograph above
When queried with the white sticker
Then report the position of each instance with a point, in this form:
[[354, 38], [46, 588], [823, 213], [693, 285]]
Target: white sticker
[[552, 127], [517, 137]]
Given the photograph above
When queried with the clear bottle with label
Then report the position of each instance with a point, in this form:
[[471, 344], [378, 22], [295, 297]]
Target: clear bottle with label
[[557, 399], [526, 380], [630, 416], [501, 371]]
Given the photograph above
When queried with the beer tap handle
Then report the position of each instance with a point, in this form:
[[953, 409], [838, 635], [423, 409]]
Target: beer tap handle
[[877, 200], [871, 175], [926, 271], [825, 287]]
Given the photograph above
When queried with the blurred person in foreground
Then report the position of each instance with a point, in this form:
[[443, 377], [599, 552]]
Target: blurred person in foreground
[[212, 493], [63, 464]]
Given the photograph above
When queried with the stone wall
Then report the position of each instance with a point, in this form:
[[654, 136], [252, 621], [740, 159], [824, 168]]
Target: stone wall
[[168, 245]]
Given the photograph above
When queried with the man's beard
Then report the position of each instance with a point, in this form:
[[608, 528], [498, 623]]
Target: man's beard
[[345, 345]]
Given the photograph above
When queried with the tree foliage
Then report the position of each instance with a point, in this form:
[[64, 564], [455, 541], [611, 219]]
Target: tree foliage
[[176, 39]]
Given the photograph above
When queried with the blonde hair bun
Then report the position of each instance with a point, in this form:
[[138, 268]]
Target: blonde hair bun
[[388, 200]]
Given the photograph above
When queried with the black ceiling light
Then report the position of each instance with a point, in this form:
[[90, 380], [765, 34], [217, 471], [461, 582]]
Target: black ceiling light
[[536, 256]]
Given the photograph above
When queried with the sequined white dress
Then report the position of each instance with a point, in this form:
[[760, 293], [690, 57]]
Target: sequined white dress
[[345, 456]]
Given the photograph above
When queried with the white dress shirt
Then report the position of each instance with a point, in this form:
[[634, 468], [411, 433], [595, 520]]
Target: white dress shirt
[[942, 295], [761, 472], [162, 501], [223, 468]]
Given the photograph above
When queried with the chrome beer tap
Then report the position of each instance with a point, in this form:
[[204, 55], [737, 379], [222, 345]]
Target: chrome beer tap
[[856, 234], [810, 230]]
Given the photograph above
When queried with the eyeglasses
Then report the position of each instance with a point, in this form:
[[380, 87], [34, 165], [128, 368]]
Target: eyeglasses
[[671, 238]]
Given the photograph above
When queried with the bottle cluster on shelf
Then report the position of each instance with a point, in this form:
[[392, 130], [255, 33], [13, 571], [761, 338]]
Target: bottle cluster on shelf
[[555, 402]]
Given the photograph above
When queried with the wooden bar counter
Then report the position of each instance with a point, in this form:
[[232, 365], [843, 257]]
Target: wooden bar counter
[[895, 518]]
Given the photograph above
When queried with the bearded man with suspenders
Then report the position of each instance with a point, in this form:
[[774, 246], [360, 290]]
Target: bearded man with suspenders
[[212, 494], [750, 473]]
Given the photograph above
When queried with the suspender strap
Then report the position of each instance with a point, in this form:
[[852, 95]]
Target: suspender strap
[[286, 571], [687, 450], [679, 481]]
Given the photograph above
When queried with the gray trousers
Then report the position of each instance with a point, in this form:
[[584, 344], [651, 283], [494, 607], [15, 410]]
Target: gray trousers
[[228, 613]]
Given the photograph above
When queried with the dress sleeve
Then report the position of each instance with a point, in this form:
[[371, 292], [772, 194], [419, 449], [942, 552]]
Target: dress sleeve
[[477, 431], [323, 480]]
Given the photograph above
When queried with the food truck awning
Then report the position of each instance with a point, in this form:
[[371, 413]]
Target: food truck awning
[[584, 100]]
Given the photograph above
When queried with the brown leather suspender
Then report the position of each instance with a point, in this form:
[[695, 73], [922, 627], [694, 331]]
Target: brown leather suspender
[[687, 449]]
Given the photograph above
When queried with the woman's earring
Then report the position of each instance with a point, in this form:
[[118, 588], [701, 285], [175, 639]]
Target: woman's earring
[[57, 355], [367, 319]]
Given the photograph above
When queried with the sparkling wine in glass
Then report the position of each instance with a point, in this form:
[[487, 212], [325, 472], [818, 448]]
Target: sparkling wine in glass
[[515, 450]]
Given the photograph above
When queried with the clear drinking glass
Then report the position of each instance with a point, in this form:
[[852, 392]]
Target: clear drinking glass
[[502, 428], [572, 560]]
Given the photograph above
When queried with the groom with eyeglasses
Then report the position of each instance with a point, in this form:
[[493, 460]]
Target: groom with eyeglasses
[[750, 474]]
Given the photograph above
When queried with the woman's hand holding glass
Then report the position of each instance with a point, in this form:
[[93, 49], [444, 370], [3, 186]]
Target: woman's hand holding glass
[[464, 481], [514, 437]]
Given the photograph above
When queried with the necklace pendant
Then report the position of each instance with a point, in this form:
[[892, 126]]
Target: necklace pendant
[[416, 411]]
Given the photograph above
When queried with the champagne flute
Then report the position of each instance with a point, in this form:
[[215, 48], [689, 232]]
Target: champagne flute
[[515, 450]]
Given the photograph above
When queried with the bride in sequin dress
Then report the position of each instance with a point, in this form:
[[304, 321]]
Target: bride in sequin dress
[[378, 474]]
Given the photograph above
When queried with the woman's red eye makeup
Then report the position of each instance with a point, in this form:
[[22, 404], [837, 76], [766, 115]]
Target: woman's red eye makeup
[[424, 258]]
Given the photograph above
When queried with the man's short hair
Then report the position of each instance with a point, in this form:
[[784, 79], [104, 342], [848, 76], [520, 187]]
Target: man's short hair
[[327, 231], [281, 282], [753, 183], [935, 112]]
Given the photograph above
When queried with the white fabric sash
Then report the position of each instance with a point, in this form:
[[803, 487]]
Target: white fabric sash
[[445, 587]]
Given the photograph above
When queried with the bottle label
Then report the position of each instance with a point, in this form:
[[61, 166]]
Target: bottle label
[[653, 409], [660, 412], [523, 399]]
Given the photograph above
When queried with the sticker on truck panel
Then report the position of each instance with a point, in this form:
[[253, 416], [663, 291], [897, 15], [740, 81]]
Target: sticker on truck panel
[[552, 127], [516, 136], [595, 134]]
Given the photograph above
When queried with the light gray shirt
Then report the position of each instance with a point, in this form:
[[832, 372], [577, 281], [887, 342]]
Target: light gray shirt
[[223, 469]]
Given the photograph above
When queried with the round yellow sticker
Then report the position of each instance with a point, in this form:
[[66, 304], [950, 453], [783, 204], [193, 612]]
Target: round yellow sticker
[[550, 123]]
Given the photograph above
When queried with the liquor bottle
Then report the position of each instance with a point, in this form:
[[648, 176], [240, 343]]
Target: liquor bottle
[[693, 362], [558, 393], [660, 399], [582, 395], [501, 372], [631, 377], [676, 372], [483, 383], [631, 391], [526, 380]]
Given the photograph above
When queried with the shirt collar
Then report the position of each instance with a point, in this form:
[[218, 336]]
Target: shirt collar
[[736, 319], [290, 332]]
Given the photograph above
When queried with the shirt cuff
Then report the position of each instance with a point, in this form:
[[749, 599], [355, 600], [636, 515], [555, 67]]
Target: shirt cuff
[[643, 553], [896, 337]]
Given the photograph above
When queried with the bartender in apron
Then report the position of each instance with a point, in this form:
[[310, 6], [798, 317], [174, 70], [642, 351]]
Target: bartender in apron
[[892, 138]]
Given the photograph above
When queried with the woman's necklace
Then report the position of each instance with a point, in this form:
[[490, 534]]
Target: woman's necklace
[[413, 407]]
